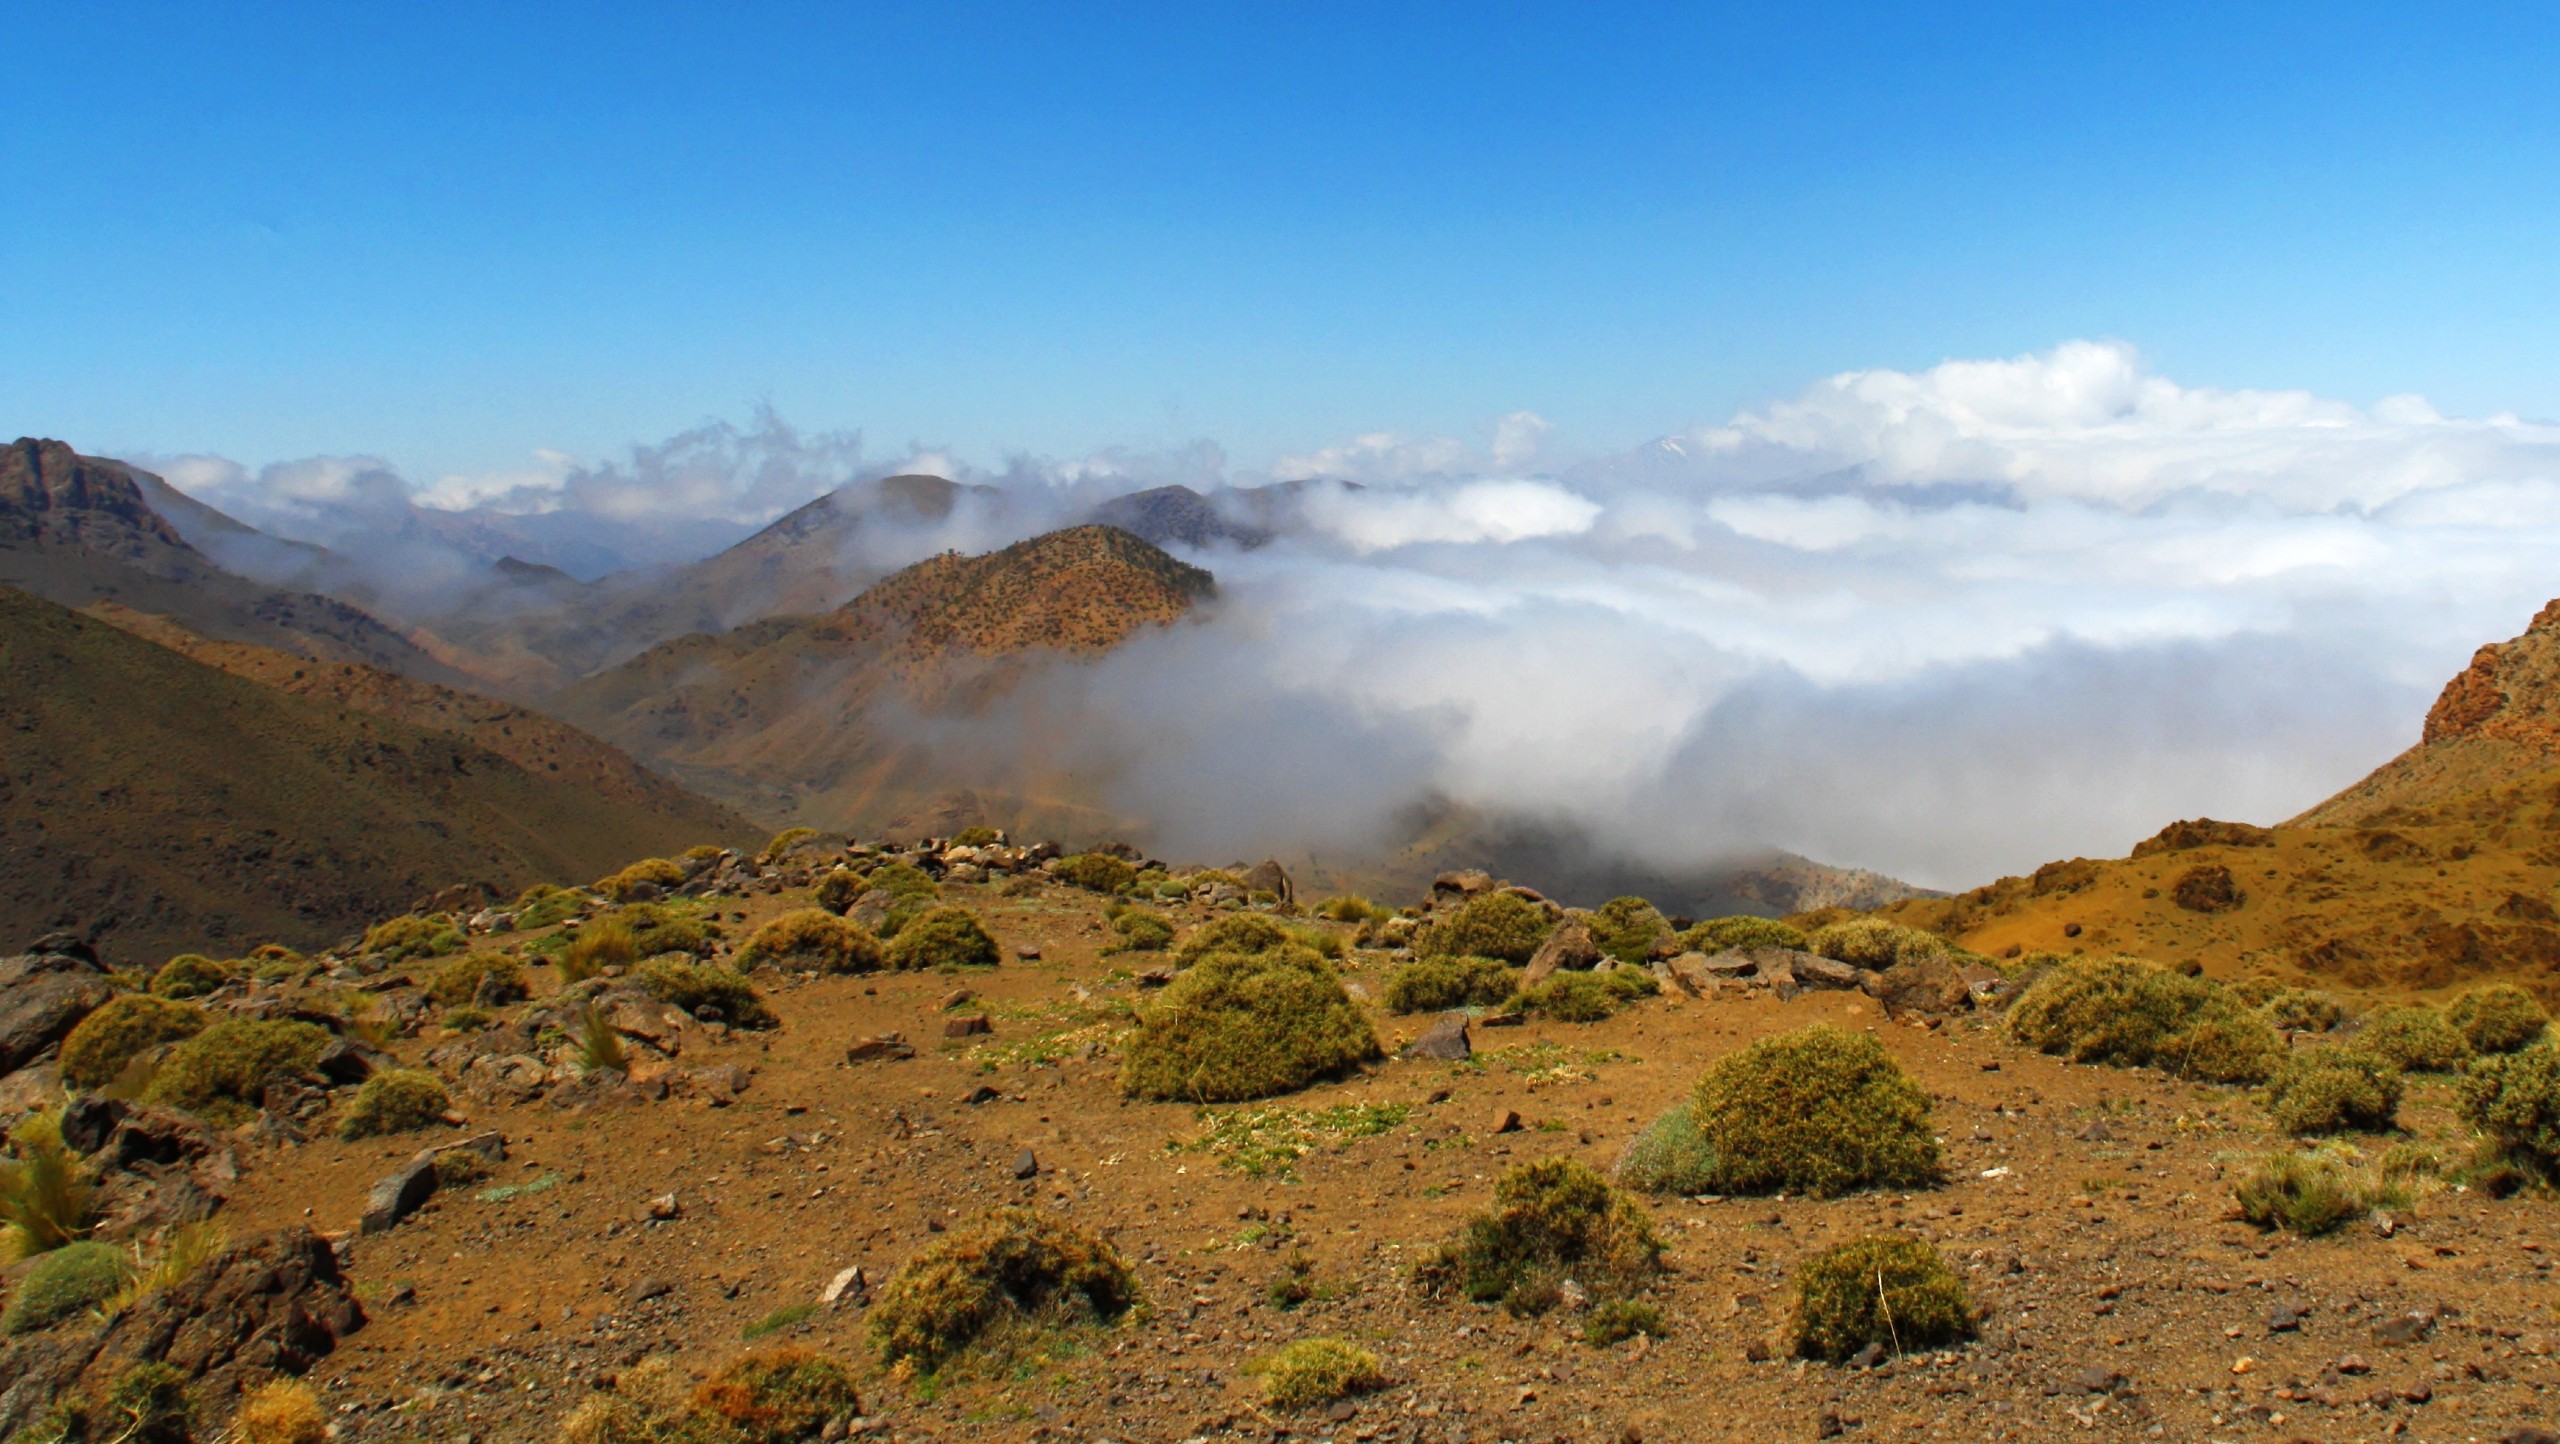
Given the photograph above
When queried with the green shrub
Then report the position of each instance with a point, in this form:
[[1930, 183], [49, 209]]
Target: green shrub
[[542, 906], [1234, 933], [1551, 1220], [1819, 1111], [1097, 872], [1627, 928], [1614, 1321], [1238, 1026], [280, 1411], [2333, 1089], [221, 1073], [1351, 908], [977, 837], [2309, 1194], [607, 942], [122, 1029], [1874, 944], [66, 1281], [1891, 1290], [2130, 1013], [659, 928], [782, 842], [395, 1100], [943, 937], [460, 981], [1717, 935], [839, 890], [1500, 925], [2513, 1100], [899, 880], [812, 940], [44, 1195], [2414, 1037], [655, 872], [468, 1020], [2499, 1018], [1569, 997], [397, 940], [600, 1048], [1670, 1156], [1011, 1265], [773, 1396], [192, 975], [2302, 1010], [1429, 985], [1308, 1372], [685, 983], [1142, 931]]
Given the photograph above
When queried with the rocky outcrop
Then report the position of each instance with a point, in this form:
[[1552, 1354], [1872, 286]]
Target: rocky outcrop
[[1568, 947], [43, 996]]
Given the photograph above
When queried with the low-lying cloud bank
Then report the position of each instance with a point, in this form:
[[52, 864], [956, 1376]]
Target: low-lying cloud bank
[[1945, 624]]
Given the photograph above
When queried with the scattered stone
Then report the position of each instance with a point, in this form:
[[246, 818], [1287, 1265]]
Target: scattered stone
[[1156, 978], [961, 999], [43, 996], [2353, 1364], [89, 1120], [2097, 1132], [1268, 876], [1827, 1425], [2099, 1380], [848, 1286], [1027, 952], [2405, 1328], [1503, 1020], [968, 1027], [1568, 947], [982, 1094], [1923, 988], [662, 1209], [1027, 1166], [1825, 973], [647, 1289], [887, 1048], [1505, 1120], [1466, 883], [1445, 1040], [2284, 1319], [398, 1195]]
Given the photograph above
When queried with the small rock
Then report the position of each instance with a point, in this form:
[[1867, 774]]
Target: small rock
[[2405, 1329], [2417, 1393], [2353, 1364], [2529, 1434], [1505, 1120], [1341, 1411], [1156, 978], [1027, 1166], [2097, 1132], [982, 1094], [398, 1195], [960, 999], [1503, 1020], [2283, 1319], [887, 1048], [1826, 1425], [968, 1027], [1027, 952], [1445, 1040], [1868, 1357], [2097, 1380], [647, 1289], [662, 1208], [846, 1285]]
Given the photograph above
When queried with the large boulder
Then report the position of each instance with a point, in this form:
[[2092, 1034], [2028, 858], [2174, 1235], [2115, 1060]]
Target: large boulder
[[1268, 876], [1568, 947], [1922, 988], [43, 996], [273, 1304]]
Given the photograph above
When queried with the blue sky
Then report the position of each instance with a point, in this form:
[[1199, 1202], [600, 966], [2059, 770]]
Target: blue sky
[[451, 234]]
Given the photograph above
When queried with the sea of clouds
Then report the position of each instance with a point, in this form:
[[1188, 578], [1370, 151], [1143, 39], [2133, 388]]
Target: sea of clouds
[[1946, 624]]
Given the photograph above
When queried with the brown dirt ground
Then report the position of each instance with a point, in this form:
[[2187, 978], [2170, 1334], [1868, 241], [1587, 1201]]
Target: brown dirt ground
[[2106, 1249]]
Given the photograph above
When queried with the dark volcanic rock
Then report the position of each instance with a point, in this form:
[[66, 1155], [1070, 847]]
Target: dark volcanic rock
[[43, 996]]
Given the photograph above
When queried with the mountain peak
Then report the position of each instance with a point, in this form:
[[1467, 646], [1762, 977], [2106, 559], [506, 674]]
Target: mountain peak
[[50, 494], [1083, 589]]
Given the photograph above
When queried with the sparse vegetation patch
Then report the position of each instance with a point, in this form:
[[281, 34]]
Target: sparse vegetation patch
[[1551, 1221], [1308, 1372], [1891, 1290], [1499, 925], [2331, 1088], [812, 940], [1819, 1111], [122, 1029], [943, 937], [221, 1073], [1011, 1266], [1241, 1026], [1431, 985], [2130, 1013]]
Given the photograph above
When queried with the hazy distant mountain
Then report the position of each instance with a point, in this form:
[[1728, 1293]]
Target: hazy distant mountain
[[76, 529]]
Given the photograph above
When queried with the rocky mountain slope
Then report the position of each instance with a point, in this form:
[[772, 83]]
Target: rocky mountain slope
[[2441, 868], [77, 529], [778, 717], [157, 803]]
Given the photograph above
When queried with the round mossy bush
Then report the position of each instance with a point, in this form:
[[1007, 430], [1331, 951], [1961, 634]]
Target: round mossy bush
[[122, 1029], [1820, 1111], [682, 982], [280, 1411], [812, 940], [65, 1282], [899, 879], [1874, 944], [1567, 997], [192, 975], [2333, 1089], [1141, 931], [2303, 1010], [1014, 1264], [1234, 933], [395, 1100], [1096, 871], [1627, 928], [2309, 1194], [1717, 935], [2499, 1018], [772, 1396], [1552, 1220], [1500, 925], [2130, 1013], [649, 872], [1670, 1156], [942, 937], [1890, 1290], [2414, 1038], [2513, 1100], [1239, 1026], [1429, 985], [464, 980], [1307, 1372], [397, 940], [221, 1073]]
